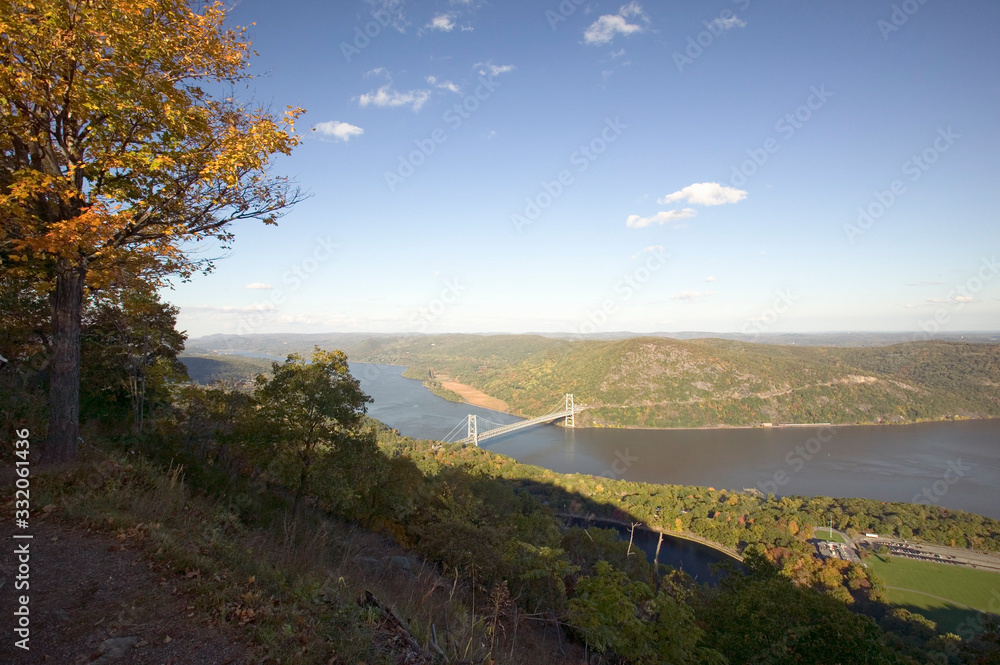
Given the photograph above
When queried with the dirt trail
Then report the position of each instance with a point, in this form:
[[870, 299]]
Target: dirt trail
[[95, 600]]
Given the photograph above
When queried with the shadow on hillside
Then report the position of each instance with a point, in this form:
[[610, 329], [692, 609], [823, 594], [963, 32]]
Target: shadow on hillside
[[698, 560]]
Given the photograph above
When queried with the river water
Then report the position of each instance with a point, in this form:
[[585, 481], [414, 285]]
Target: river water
[[950, 464]]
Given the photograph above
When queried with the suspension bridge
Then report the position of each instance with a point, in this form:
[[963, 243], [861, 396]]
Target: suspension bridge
[[478, 429]]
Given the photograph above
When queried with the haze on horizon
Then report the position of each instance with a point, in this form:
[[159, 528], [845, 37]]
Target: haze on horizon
[[607, 166]]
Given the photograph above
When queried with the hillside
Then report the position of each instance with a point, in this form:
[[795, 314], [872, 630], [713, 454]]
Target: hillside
[[662, 382], [226, 368]]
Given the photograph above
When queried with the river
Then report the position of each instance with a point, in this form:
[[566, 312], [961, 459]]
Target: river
[[950, 464]]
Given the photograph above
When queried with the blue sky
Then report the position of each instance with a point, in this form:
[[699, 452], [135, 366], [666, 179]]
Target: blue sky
[[598, 166]]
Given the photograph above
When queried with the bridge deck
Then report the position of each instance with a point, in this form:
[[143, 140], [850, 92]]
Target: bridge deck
[[507, 429]]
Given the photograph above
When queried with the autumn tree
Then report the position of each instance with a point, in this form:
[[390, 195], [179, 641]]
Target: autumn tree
[[115, 156], [307, 411]]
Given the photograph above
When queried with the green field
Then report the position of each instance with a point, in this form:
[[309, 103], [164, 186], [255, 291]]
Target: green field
[[824, 533], [967, 589]]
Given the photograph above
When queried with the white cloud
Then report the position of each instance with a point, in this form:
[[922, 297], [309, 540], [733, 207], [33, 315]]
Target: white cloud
[[387, 98], [444, 85], [605, 28], [964, 299], [443, 22], [709, 279], [340, 131], [491, 69], [728, 23], [664, 217], [706, 194], [261, 286], [691, 297]]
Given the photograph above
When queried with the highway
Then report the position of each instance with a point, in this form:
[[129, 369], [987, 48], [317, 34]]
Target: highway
[[909, 549]]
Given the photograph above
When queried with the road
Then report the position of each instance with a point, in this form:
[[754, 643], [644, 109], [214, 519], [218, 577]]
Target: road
[[937, 553]]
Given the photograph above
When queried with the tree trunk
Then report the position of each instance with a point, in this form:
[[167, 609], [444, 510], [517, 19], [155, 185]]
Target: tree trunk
[[64, 370]]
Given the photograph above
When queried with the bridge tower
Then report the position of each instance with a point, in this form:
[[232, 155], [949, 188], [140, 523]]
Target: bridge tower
[[570, 411], [473, 433]]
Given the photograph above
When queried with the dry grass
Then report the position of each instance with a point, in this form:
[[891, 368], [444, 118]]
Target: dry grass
[[292, 590]]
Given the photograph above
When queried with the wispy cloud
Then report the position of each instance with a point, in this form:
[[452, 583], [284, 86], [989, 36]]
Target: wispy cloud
[[258, 286], [951, 301], [444, 85], [604, 29], [691, 297], [386, 97], [443, 22], [664, 217], [259, 307], [706, 194], [709, 279], [339, 131], [727, 23], [485, 68]]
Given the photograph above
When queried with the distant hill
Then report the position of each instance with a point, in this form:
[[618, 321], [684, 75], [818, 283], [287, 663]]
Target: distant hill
[[665, 382], [235, 369]]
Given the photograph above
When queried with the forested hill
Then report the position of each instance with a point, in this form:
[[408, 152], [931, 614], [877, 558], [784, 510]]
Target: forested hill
[[661, 382]]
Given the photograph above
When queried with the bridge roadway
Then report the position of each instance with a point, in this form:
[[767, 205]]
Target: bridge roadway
[[507, 429]]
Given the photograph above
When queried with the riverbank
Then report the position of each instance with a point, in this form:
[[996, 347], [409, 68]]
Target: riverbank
[[474, 396], [784, 426]]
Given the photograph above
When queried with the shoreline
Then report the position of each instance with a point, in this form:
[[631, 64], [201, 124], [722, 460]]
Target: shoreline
[[474, 396], [799, 426]]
